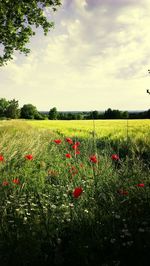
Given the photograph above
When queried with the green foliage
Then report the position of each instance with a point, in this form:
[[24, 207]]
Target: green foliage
[[53, 114], [43, 224], [93, 115], [39, 116], [9, 109], [12, 110], [17, 19], [115, 114], [148, 113], [3, 107], [125, 115], [71, 116], [29, 111]]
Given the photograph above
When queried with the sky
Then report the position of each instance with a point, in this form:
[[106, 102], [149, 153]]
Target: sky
[[97, 57]]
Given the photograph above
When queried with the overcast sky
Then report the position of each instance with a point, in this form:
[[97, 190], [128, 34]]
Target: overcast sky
[[97, 57]]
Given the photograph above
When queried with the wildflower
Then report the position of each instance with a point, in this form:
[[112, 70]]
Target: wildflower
[[29, 157], [16, 181], [57, 141], [69, 140], [5, 183], [77, 192], [59, 241], [68, 155], [115, 157], [74, 147], [141, 185], [77, 152], [93, 159], [71, 205], [77, 143], [1, 158]]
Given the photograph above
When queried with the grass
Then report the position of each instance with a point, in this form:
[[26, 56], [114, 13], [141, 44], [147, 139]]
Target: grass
[[41, 220]]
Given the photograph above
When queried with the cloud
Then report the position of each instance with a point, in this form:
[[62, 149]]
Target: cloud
[[96, 57], [117, 4]]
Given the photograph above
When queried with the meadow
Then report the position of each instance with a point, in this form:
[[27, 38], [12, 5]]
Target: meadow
[[75, 192]]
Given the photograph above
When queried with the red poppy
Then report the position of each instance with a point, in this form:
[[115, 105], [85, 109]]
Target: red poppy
[[16, 181], [5, 183], [93, 159], [77, 143], [77, 152], [115, 157], [77, 192], [29, 157], [122, 192], [69, 140], [74, 147], [57, 141], [68, 155], [141, 185], [1, 158]]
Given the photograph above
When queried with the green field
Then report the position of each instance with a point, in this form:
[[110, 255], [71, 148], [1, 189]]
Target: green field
[[44, 221], [84, 128], [102, 128]]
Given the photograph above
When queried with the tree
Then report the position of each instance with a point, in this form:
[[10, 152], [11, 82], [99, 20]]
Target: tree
[[148, 113], [79, 116], [17, 19], [53, 114], [125, 115], [70, 116], [3, 107], [39, 116], [108, 114], [95, 114], [29, 111], [12, 110], [92, 115], [116, 114]]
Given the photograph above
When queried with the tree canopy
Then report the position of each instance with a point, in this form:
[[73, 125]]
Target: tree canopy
[[17, 20], [9, 109], [53, 114], [29, 111], [12, 110], [3, 107]]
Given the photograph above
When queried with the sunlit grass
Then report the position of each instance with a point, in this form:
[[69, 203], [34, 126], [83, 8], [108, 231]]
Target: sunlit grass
[[84, 128]]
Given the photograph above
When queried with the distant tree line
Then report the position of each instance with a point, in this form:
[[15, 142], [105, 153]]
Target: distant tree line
[[9, 109]]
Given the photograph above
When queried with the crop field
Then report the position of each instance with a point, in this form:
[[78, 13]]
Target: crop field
[[75, 192], [103, 128]]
